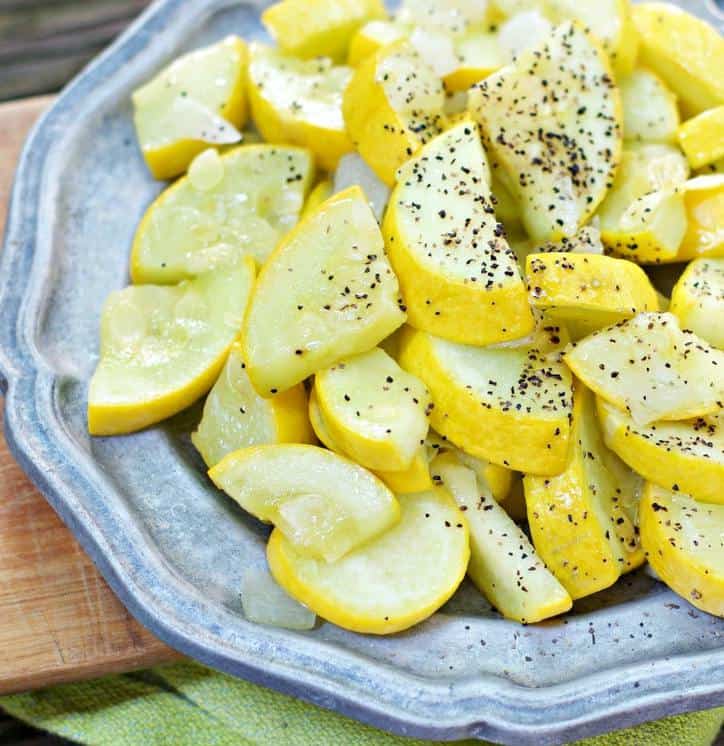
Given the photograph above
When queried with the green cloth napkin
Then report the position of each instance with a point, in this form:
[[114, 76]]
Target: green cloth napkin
[[186, 703]]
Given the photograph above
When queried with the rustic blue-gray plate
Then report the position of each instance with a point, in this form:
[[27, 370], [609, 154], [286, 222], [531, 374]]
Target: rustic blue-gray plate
[[173, 548]]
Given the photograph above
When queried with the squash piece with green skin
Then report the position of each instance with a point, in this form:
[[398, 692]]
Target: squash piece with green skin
[[327, 292], [325, 505]]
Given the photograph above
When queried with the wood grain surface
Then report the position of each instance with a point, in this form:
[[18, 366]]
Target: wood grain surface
[[43, 43], [59, 621]]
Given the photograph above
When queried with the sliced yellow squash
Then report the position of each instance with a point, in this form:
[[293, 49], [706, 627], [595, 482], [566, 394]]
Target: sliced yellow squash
[[392, 106], [609, 20], [376, 411], [390, 583], [197, 101], [702, 138], [326, 292], [685, 456], [371, 38], [299, 102], [587, 292], [650, 113], [685, 51], [704, 203], [698, 300], [321, 193], [625, 508], [452, 17], [571, 514], [163, 347], [235, 416], [324, 504], [238, 204], [643, 218], [503, 564], [509, 405], [497, 478], [478, 55], [651, 368], [416, 478], [319, 28], [684, 542], [460, 280], [559, 152]]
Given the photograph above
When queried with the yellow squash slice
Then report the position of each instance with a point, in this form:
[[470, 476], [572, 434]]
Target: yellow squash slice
[[326, 292], [587, 291], [650, 113], [643, 218], [235, 416], [510, 405], [625, 508], [558, 153], [374, 410], [390, 583], [299, 102], [197, 101], [238, 204], [503, 564], [571, 515], [609, 20], [460, 280], [455, 18], [498, 479], [163, 347], [702, 138], [319, 28], [321, 193], [685, 51], [651, 368], [392, 106], [698, 300], [684, 542], [371, 38], [416, 478], [704, 203], [324, 504], [685, 456]]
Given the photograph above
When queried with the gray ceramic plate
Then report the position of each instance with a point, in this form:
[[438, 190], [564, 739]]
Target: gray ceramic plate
[[173, 548]]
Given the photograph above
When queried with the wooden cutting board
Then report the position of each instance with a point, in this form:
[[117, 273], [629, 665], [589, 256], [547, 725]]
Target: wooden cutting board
[[59, 621]]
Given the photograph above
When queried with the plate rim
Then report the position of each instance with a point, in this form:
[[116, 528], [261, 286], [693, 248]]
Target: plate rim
[[625, 695]]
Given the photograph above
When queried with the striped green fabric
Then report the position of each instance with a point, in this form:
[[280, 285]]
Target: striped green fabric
[[186, 703]]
